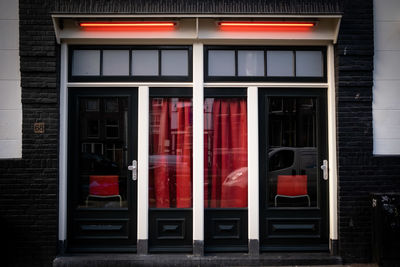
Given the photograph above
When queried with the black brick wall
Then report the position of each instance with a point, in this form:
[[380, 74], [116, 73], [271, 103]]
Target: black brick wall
[[199, 6], [29, 186], [360, 173]]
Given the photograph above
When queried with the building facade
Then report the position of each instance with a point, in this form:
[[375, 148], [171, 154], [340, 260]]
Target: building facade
[[257, 128]]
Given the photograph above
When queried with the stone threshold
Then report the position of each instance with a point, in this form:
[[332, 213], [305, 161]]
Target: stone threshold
[[221, 259]]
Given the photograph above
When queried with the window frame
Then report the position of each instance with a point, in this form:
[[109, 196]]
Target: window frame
[[130, 77], [265, 78]]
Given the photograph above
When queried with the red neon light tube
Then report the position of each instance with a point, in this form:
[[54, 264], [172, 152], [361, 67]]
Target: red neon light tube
[[266, 24], [128, 24]]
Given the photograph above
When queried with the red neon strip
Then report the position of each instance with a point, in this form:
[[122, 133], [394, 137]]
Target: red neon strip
[[127, 24], [268, 24]]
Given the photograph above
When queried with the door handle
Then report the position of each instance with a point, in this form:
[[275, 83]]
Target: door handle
[[133, 168], [324, 168]]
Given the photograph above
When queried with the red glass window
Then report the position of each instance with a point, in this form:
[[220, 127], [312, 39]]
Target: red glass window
[[225, 152], [170, 151]]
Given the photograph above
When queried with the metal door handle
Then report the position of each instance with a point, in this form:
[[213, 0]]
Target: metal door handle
[[324, 168], [133, 168]]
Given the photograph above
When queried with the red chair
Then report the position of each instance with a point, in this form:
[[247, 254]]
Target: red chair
[[292, 186], [104, 186]]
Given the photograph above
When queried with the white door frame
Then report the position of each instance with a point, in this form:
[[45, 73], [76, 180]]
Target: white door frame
[[198, 142]]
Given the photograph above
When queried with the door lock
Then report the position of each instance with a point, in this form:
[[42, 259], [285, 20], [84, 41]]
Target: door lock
[[324, 168], [133, 168]]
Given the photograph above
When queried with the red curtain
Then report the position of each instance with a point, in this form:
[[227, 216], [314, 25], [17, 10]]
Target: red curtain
[[226, 153], [171, 153], [184, 156]]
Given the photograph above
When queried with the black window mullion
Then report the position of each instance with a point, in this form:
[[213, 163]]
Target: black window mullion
[[170, 92], [130, 62], [225, 92], [236, 63], [159, 62], [101, 62], [265, 63]]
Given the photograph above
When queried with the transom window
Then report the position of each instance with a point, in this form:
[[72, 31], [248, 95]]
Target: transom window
[[130, 63], [259, 63]]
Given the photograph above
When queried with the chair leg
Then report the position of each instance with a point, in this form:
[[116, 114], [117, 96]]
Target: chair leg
[[309, 202], [120, 201], [276, 200]]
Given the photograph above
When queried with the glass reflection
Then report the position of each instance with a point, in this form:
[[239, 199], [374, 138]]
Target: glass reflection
[[103, 152], [292, 153], [170, 151], [225, 153]]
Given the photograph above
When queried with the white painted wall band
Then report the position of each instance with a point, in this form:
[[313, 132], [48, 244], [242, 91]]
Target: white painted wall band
[[198, 143], [333, 179], [252, 158], [143, 164]]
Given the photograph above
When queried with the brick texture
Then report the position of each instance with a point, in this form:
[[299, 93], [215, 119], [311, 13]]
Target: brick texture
[[360, 173], [29, 186]]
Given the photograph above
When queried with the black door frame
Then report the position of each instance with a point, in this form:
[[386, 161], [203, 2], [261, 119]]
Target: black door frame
[[312, 218], [82, 223]]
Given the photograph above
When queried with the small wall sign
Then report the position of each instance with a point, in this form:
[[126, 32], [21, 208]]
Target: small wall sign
[[38, 127]]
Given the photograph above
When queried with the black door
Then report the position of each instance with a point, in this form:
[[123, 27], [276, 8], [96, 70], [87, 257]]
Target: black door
[[101, 191], [293, 191]]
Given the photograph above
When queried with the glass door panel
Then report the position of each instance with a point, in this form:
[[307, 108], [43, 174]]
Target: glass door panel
[[170, 170], [103, 158], [292, 153], [225, 148]]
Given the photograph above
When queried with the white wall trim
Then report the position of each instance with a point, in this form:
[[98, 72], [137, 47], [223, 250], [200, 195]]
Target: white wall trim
[[385, 108], [198, 143], [143, 164], [63, 151], [10, 82], [333, 179], [253, 163]]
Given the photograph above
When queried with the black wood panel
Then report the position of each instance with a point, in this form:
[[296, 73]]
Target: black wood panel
[[97, 231], [226, 230], [102, 228], [170, 230], [293, 228]]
